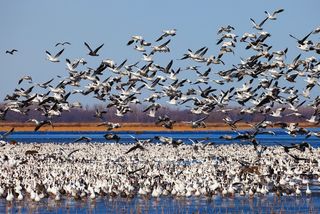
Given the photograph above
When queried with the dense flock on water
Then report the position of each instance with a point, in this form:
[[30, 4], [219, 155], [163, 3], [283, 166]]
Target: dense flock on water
[[269, 88], [92, 170]]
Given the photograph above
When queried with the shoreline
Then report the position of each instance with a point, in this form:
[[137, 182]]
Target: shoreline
[[6, 126]]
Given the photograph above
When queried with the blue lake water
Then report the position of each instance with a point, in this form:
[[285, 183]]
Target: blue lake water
[[125, 137], [215, 204]]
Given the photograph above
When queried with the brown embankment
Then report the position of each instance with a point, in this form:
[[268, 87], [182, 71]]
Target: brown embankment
[[5, 126]]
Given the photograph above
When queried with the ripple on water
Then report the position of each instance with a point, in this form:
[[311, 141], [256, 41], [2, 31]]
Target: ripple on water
[[270, 204]]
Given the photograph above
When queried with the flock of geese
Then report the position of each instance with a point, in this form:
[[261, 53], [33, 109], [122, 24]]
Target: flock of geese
[[269, 88], [89, 170]]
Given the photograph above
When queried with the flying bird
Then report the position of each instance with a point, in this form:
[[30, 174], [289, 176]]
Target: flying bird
[[11, 52], [3, 113], [109, 136], [135, 147], [135, 38], [152, 109], [273, 15], [302, 41], [199, 123], [91, 52], [29, 78], [83, 138], [226, 29], [166, 33], [258, 26], [62, 43], [6, 134], [55, 58], [39, 124]]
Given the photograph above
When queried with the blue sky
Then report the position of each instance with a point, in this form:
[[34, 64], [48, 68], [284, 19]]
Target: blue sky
[[34, 26]]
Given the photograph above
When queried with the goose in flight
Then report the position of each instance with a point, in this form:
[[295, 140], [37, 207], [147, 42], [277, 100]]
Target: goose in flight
[[95, 52], [29, 78], [83, 138], [230, 122], [258, 26], [168, 124], [110, 136], [55, 58], [66, 154], [161, 48], [142, 142], [317, 30], [11, 51], [166, 33], [226, 29], [139, 144], [135, 39], [6, 134], [169, 140], [302, 41], [39, 124], [135, 147], [62, 43], [313, 119], [277, 113], [164, 140], [199, 123], [99, 114], [139, 48], [273, 15], [152, 109], [110, 125], [147, 57], [45, 84], [3, 113]]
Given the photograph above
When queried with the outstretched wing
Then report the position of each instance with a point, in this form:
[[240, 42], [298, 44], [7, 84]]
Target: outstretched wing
[[278, 11], [88, 46], [98, 48], [59, 53]]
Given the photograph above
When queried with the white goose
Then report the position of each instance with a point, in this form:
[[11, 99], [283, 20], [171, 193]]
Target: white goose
[[273, 15], [54, 58], [308, 191], [9, 195]]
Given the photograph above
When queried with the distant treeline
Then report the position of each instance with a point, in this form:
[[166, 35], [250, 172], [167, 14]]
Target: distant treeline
[[82, 115]]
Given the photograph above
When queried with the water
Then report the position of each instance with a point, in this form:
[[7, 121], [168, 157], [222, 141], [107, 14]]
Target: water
[[215, 204], [125, 137]]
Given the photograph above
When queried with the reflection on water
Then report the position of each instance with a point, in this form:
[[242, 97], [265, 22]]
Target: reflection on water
[[216, 204]]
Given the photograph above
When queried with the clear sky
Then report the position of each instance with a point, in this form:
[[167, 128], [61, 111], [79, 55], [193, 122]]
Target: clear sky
[[34, 26]]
